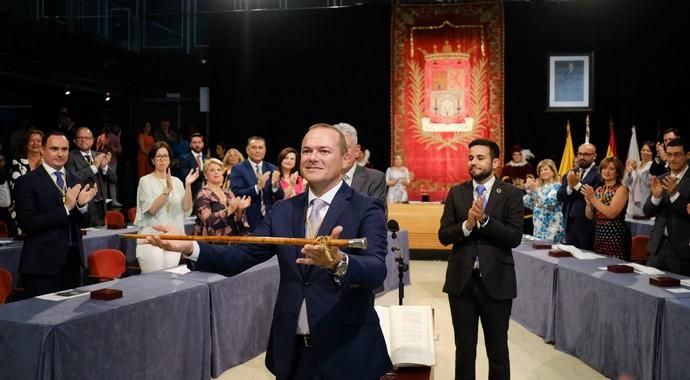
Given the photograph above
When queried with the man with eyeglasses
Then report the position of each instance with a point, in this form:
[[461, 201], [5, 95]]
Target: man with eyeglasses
[[659, 165], [92, 167], [668, 202], [579, 231]]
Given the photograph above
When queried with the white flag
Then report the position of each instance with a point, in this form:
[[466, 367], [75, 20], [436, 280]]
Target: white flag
[[633, 150]]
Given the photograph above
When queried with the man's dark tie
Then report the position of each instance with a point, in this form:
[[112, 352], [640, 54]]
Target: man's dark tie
[[89, 159], [59, 180]]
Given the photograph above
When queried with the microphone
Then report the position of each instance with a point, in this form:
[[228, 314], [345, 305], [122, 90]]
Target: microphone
[[393, 227]]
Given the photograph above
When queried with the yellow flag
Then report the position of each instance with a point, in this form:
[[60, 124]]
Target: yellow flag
[[568, 154]]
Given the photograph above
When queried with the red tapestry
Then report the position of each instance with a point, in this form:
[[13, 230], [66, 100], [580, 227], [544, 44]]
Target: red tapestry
[[447, 89]]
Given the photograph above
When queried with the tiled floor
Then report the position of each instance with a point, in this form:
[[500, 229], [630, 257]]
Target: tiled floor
[[530, 357]]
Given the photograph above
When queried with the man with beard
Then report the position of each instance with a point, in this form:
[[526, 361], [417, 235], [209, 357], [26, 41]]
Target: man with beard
[[579, 231], [483, 219], [193, 160]]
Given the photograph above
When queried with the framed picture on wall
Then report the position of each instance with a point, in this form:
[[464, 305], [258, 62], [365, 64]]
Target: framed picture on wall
[[570, 81]]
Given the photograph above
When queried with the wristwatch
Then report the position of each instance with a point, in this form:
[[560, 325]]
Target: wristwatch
[[483, 221], [341, 267]]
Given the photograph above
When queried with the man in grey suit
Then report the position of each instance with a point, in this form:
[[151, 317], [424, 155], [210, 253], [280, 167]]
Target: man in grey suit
[[92, 168], [368, 181], [668, 245]]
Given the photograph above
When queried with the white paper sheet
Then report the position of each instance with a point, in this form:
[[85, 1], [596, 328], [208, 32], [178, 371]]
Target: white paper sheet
[[577, 253], [181, 269], [64, 295]]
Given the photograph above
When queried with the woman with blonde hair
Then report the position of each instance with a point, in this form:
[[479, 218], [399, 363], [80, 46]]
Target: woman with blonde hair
[[219, 212], [397, 179], [542, 198], [232, 158]]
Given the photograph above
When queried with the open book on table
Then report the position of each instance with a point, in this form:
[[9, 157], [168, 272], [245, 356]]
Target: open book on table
[[409, 334]]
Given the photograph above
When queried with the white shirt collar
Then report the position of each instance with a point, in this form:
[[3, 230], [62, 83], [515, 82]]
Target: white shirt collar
[[488, 185], [327, 196], [349, 175], [50, 171], [681, 174]]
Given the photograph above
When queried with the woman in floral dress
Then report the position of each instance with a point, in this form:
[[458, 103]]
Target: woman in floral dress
[[542, 199]]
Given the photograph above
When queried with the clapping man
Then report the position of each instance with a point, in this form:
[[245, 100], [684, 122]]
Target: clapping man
[[92, 167], [258, 179], [51, 203], [193, 160], [579, 231], [483, 219], [668, 202]]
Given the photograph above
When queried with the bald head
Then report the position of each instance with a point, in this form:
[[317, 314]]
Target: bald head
[[586, 154]]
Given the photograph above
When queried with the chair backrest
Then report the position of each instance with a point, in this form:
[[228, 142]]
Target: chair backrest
[[107, 263], [114, 217], [132, 214], [639, 252], [3, 229], [5, 284]]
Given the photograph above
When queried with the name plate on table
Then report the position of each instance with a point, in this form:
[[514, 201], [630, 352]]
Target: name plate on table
[[620, 268], [640, 217], [559, 253], [664, 281], [106, 294], [541, 245]]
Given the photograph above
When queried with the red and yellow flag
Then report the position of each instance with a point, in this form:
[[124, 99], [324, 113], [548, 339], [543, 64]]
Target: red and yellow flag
[[568, 153], [611, 151]]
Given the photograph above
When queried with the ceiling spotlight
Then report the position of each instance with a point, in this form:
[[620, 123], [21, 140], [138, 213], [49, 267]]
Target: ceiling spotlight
[[107, 96], [67, 92], [203, 61]]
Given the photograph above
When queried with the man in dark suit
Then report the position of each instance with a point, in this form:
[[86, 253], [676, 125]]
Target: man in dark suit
[[369, 181], [659, 164], [579, 231], [668, 202], [258, 179], [483, 219], [91, 167], [49, 208], [324, 324], [193, 160]]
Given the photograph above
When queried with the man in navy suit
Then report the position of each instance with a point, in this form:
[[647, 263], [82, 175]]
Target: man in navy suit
[[51, 203], [258, 179], [483, 219], [324, 323], [193, 160], [579, 231]]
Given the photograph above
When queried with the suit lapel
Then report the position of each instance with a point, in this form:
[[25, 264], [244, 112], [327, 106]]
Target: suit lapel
[[299, 205], [340, 202], [468, 194], [496, 196], [358, 178]]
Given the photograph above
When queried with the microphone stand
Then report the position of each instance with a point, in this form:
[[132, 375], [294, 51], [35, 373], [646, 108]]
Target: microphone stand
[[402, 266]]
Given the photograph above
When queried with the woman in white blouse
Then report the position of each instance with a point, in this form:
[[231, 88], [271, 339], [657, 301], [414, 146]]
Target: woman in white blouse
[[162, 199], [637, 179]]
